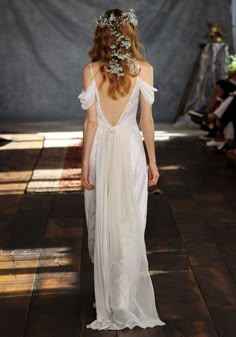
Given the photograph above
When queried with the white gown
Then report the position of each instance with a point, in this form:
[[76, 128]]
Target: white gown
[[116, 217]]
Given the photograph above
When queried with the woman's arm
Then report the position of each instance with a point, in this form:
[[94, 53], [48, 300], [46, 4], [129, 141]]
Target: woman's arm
[[147, 127], [89, 130]]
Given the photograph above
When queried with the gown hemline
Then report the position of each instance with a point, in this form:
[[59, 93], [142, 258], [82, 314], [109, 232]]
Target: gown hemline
[[109, 325]]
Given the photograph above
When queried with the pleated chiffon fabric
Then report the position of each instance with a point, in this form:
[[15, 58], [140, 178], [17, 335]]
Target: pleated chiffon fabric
[[116, 217]]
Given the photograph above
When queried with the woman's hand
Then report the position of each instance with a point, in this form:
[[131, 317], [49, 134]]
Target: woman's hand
[[85, 178], [153, 174]]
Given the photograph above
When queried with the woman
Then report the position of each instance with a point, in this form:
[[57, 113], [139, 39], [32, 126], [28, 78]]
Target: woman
[[114, 173]]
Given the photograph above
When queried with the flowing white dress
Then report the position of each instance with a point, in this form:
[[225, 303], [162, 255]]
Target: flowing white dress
[[116, 217]]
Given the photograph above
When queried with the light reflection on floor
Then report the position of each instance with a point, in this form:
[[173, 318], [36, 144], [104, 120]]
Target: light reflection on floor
[[36, 136]]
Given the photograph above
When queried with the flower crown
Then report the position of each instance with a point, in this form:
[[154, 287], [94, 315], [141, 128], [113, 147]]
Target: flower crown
[[122, 41]]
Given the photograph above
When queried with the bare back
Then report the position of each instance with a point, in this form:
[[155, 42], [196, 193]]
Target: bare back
[[111, 109], [114, 111]]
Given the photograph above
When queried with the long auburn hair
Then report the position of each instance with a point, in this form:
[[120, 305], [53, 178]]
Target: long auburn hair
[[118, 86]]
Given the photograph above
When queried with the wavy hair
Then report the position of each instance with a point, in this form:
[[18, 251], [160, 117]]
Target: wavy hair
[[118, 85]]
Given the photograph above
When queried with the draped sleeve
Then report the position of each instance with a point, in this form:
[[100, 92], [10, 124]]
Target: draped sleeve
[[147, 91], [87, 96]]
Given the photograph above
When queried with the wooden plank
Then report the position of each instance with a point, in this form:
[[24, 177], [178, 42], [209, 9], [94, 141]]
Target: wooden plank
[[184, 207], [157, 331], [29, 225], [202, 253], [225, 240], [17, 160], [178, 296], [16, 283], [5, 228], [68, 205], [231, 196], [161, 233], [177, 191], [224, 320], [224, 235], [189, 328], [25, 238], [19, 260], [217, 286], [221, 218], [192, 226], [167, 261], [211, 272], [169, 176], [9, 204], [212, 275], [212, 203], [13, 311], [200, 178], [54, 309]]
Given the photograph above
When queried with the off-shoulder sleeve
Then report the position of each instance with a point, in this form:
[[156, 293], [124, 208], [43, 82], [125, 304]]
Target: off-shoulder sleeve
[[147, 91], [87, 96]]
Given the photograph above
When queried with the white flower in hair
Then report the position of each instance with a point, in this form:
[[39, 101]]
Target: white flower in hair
[[121, 41]]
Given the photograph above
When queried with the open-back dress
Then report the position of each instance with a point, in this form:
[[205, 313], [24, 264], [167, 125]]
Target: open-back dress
[[116, 216]]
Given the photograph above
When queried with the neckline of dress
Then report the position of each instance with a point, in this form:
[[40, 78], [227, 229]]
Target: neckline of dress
[[132, 93]]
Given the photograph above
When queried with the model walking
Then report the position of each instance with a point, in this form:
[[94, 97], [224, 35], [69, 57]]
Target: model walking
[[115, 173]]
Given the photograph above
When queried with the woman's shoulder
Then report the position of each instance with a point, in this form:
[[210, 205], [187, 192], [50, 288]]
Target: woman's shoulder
[[145, 65], [89, 68], [86, 69], [146, 71], [87, 75], [93, 64]]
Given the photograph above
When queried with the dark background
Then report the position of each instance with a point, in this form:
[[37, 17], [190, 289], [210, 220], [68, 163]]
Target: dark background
[[44, 46]]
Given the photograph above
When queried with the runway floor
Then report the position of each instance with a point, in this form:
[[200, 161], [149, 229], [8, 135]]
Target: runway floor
[[46, 278]]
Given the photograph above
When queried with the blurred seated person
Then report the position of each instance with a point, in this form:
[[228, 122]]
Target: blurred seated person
[[221, 91], [222, 117]]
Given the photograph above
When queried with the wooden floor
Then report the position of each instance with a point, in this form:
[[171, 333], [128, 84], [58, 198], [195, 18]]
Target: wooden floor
[[46, 277]]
